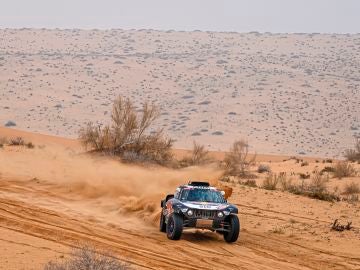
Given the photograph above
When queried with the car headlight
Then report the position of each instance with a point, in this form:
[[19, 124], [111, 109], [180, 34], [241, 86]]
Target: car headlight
[[184, 210], [190, 212], [226, 213], [220, 214]]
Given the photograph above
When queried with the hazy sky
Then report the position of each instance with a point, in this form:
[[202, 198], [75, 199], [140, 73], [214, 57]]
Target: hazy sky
[[330, 16]]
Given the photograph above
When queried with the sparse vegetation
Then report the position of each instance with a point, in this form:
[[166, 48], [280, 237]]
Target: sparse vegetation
[[3, 141], [317, 188], [277, 230], [328, 169], [304, 163], [17, 141], [237, 161], [129, 135], [318, 184], [199, 156], [10, 124], [284, 181], [271, 181], [353, 154], [304, 175], [351, 188], [249, 183], [344, 169], [88, 258], [263, 168], [30, 145]]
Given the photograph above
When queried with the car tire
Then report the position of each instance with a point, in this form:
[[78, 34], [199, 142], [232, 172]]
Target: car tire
[[162, 222], [233, 234], [174, 227]]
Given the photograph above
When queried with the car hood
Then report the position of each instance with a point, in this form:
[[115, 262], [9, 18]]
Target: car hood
[[206, 205]]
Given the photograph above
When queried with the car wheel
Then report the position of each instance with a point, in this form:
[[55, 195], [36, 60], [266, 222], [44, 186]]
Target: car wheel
[[162, 222], [233, 234], [174, 227]]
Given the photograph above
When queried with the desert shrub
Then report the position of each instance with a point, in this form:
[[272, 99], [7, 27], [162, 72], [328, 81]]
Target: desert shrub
[[129, 135], [316, 189], [353, 154], [225, 178], [87, 258], [304, 175], [3, 141], [17, 141], [278, 230], [248, 182], [284, 181], [263, 168], [10, 124], [304, 163], [30, 145], [271, 181], [344, 169], [351, 188], [328, 169], [352, 198], [318, 183], [199, 156], [237, 161]]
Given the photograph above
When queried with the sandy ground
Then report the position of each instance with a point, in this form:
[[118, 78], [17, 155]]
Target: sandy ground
[[53, 198], [285, 93]]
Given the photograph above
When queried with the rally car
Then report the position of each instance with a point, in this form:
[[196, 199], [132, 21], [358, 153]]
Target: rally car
[[198, 205]]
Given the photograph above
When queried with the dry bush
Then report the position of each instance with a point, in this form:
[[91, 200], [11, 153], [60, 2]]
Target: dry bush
[[237, 161], [344, 169], [353, 154], [284, 181], [88, 258], [304, 175], [249, 183], [304, 163], [199, 156], [351, 188], [328, 169], [263, 168], [278, 230], [316, 189], [129, 134], [3, 141], [271, 181], [17, 141], [339, 227], [318, 183]]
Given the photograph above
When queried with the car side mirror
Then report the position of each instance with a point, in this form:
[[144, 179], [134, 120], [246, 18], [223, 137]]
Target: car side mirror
[[222, 193], [162, 204]]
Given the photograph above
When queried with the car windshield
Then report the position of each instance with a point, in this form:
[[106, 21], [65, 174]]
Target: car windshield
[[202, 195]]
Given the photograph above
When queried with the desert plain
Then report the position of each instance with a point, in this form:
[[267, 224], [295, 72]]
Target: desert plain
[[294, 97]]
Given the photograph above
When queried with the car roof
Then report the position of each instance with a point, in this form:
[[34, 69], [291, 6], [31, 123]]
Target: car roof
[[196, 187]]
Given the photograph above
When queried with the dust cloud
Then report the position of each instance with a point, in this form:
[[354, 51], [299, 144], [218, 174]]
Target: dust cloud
[[134, 190]]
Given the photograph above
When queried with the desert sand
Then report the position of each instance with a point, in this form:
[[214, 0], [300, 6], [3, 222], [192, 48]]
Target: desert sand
[[53, 197], [286, 94]]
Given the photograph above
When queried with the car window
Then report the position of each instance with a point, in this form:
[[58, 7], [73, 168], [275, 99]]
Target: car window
[[202, 195]]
